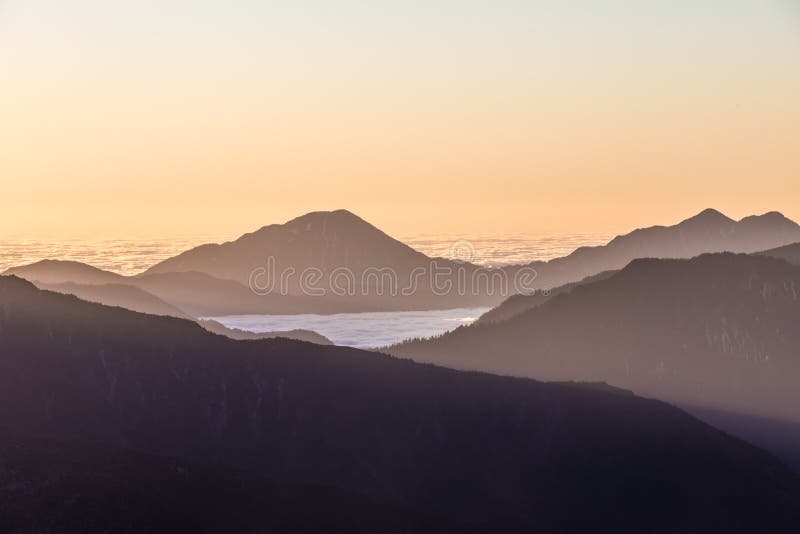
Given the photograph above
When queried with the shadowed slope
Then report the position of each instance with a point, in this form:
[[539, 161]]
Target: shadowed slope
[[47, 486], [193, 293], [520, 303], [234, 333], [122, 295], [136, 299], [203, 295], [464, 445], [790, 253], [719, 331]]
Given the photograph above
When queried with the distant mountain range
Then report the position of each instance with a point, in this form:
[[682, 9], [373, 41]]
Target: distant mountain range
[[185, 291], [465, 447], [718, 332], [708, 231], [352, 266], [340, 239], [192, 293]]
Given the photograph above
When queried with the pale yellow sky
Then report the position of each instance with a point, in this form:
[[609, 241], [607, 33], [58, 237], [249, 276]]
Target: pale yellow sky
[[146, 119]]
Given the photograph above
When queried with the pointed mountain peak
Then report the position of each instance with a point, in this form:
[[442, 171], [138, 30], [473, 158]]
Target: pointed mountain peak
[[709, 216], [318, 216], [338, 220], [311, 220]]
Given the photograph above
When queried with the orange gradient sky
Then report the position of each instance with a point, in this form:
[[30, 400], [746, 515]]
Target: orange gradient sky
[[126, 119]]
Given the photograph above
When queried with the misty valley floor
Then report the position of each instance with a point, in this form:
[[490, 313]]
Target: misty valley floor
[[361, 330]]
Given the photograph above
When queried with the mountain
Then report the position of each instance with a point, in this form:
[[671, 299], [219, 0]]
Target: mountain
[[335, 262], [193, 293], [203, 295], [62, 271], [324, 240], [308, 336], [708, 231], [48, 486], [718, 331], [337, 242], [179, 288], [516, 304], [346, 259], [122, 295], [790, 253], [463, 446]]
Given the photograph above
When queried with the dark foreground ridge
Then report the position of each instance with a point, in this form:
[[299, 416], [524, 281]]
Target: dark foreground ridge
[[47, 486], [466, 447]]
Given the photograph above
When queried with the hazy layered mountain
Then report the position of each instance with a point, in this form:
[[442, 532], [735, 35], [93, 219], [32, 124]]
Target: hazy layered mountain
[[193, 293], [718, 331], [203, 295], [790, 253], [355, 263], [335, 240], [48, 486], [519, 303], [182, 287], [234, 333], [465, 446], [335, 262], [708, 231], [62, 271], [122, 295], [324, 240]]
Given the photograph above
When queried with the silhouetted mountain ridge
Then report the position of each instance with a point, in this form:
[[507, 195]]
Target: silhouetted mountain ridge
[[466, 446], [520, 303], [53, 271], [357, 267], [185, 291], [717, 331], [709, 231], [327, 242], [790, 253]]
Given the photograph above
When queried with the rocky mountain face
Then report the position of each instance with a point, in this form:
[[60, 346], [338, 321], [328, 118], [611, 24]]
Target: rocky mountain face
[[463, 446]]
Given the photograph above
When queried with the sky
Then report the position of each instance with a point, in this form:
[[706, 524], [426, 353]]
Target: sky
[[151, 118]]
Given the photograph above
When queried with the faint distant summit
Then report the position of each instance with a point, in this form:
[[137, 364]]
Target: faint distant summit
[[708, 216], [59, 271], [340, 215]]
